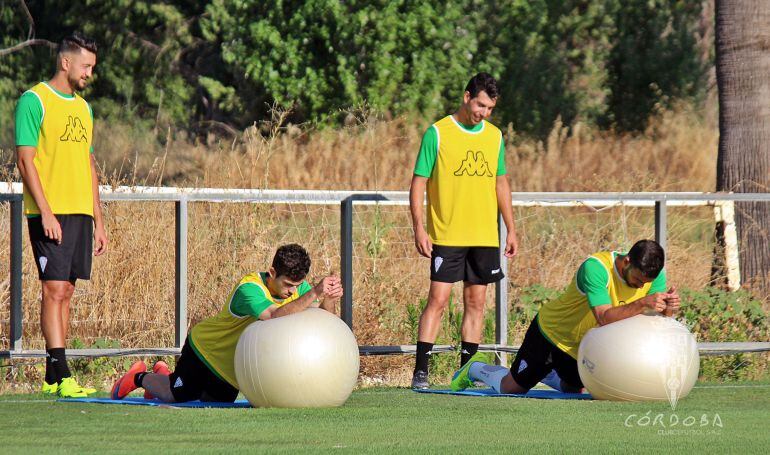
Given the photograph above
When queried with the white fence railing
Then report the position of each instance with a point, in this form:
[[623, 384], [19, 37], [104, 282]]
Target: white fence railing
[[11, 193]]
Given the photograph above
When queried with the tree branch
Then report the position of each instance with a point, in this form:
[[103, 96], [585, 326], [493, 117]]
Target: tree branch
[[29, 42], [31, 32]]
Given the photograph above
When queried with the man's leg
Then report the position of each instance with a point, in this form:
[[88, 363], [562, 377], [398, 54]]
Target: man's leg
[[565, 371], [427, 331], [156, 384], [161, 368], [447, 267], [532, 363], [482, 267], [54, 307], [159, 385], [65, 309], [496, 376], [474, 299], [184, 384]]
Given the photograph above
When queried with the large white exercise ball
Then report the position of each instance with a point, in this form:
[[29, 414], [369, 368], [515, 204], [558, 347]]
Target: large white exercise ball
[[642, 358], [304, 360]]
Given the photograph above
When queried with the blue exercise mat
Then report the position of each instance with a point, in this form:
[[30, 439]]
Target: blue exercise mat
[[143, 402], [535, 393]]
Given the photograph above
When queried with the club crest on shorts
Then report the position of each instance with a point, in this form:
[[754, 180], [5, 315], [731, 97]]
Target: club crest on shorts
[[43, 263], [437, 263]]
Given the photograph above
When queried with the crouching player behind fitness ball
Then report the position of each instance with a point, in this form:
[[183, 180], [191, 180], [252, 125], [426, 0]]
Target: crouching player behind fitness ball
[[205, 370], [609, 286]]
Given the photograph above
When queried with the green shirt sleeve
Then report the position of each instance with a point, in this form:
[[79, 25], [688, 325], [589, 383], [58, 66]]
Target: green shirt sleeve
[[28, 117], [426, 158], [91, 111], [303, 288], [249, 300], [659, 283], [501, 157], [592, 279]]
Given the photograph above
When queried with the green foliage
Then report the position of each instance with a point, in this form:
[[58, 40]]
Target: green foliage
[[551, 58], [97, 366], [140, 72], [188, 63], [530, 300], [655, 59], [717, 315], [323, 55]]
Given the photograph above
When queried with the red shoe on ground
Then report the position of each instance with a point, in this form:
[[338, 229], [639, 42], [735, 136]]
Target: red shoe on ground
[[160, 367], [125, 384]]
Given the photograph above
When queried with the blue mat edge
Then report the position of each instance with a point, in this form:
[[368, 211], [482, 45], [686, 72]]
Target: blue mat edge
[[536, 394], [142, 402]]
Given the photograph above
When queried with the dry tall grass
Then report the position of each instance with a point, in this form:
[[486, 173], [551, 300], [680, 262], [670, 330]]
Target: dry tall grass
[[130, 297], [677, 152]]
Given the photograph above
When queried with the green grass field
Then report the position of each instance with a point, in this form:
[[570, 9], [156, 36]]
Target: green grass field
[[399, 420]]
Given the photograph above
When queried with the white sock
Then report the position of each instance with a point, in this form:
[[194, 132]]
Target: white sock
[[491, 375], [552, 380]]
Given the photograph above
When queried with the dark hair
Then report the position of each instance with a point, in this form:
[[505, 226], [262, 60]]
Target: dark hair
[[482, 82], [648, 257], [75, 42], [291, 261]]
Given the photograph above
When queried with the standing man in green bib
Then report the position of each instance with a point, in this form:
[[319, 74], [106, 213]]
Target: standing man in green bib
[[54, 150], [461, 163]]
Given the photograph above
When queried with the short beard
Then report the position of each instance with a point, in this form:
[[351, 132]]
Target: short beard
[[75, 84]]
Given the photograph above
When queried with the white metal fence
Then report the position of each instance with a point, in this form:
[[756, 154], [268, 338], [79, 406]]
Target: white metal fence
[[11, 193]]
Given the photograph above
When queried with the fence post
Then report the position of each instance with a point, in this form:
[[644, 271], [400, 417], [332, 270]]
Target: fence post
[[660, 223], [501, 296], [726, 211], [180, 277], [346, 260], [17, 312]]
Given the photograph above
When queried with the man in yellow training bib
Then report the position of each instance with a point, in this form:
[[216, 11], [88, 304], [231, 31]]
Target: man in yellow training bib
[[54, 152], [206, 369], [609, 286], [461, 163]]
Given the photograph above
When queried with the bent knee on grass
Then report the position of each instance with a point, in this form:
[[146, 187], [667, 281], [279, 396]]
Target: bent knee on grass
[[159, 386], [509, 385]]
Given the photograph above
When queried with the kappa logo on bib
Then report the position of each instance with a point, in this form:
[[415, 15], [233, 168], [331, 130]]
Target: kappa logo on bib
[[75, 131], [474, 164]]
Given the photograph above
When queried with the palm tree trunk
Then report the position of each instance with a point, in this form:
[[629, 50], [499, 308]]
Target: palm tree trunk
[[743, 163]]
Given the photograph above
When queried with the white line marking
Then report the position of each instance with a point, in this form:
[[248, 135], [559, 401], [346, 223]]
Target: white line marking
[[26, 401], [757, 386]]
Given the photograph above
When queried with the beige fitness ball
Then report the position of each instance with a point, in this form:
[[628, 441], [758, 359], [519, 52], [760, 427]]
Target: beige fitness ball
[[642, 358], [304, 360]]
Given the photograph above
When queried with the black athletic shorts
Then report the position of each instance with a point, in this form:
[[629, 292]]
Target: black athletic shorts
[[476, 265], [71, 259], [193, 380], [538, 356]]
